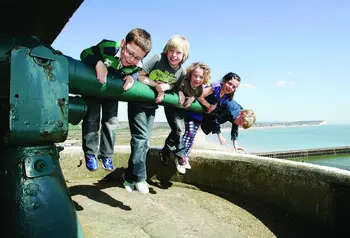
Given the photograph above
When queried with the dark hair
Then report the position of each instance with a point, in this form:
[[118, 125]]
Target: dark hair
[[227, 78], [141, 38]]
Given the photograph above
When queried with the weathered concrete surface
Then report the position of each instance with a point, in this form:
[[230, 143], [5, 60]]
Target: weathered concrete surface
[[305, 196], [106, 210]]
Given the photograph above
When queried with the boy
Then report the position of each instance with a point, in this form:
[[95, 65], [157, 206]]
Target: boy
[[229, 111], [120, 57]]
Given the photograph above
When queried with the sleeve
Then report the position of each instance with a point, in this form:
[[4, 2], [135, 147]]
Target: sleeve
[[217, 128], [92, 55], [149, 65], [234, 131]]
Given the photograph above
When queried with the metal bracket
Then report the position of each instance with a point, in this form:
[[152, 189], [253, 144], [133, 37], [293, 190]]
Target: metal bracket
[[38, 166]]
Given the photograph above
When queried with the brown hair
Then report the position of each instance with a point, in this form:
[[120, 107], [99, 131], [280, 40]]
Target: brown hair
[[141, 38]]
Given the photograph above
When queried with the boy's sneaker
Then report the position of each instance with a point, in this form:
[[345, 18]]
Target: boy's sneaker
[[107, 163], [91, 162], [187, 163], [180, 166], [129, 186], [142, 187]]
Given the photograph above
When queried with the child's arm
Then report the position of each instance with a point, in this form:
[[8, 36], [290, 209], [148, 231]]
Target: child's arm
[[181, 98], [93, 57], [206, 104], [234, 136], [206, 92]]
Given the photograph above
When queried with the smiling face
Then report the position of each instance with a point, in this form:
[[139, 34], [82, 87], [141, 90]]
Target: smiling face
[[197, 77], [175, 57], [131, 53], [230, 86]]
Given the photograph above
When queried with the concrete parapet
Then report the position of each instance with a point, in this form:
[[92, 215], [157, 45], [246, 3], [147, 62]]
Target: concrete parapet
[[315, 194]]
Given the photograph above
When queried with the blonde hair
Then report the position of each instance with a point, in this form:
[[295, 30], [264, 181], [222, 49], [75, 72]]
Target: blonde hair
[[206, 69], [180, 43], [249, 118]]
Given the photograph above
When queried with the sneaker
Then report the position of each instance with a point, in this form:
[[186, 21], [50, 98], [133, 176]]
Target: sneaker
[[91, 162], [164, 158], [187, 163], [107, 163], [129, 186], [142, 187], [180, 166]]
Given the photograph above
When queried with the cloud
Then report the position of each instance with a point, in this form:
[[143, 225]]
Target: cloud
[[247, 85], [291, 73], [282, 83]]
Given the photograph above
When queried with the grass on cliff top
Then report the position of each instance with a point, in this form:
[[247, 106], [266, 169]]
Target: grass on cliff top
[[123, 135]]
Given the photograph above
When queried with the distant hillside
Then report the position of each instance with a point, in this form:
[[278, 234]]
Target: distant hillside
[[124, 124]]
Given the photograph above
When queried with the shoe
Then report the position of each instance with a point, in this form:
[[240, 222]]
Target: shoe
[[107, 163], [180, 166], [129, 186], [91, 162], [142, 187], [187, 163], [164, 158]]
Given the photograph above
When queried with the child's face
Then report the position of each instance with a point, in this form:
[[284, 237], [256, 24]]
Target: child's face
[[230, 86], [197, 77], [175, 56], [131, 54], [240, 119]]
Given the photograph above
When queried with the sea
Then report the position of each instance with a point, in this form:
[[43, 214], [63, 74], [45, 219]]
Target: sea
[[271, 139]]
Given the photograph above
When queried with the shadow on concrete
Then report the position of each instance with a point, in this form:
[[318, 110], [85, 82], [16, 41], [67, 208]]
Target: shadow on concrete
[[94, 192], [117, 177], [279, 223]]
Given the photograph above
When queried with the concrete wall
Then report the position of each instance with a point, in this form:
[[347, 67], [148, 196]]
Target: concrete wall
[[317, 194]]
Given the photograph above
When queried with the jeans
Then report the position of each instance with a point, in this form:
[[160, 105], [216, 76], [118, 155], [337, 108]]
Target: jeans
[[140, 122], [174, 142], [91, 126]]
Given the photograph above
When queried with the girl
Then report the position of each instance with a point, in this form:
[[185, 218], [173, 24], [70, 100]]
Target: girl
[[191, 88]]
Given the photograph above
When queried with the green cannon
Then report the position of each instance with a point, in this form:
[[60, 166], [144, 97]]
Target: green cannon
[[41, 93]]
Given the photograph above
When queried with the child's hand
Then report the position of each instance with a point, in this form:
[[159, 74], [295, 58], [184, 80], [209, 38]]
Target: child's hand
[[188, 102], [222, 139], [211, 108], [101, 72], [241, 149], [129, 82], [160, 97], [162, 87], [181, 98]]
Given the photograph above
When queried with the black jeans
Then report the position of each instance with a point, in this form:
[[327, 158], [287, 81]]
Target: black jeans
[[174, 142], [91, 126], [140, 122]]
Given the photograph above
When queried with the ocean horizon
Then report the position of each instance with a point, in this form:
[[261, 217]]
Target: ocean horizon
[[271, 139]]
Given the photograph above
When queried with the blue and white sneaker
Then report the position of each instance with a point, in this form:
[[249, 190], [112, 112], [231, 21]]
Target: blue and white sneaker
[[107, 163], [91, 162]]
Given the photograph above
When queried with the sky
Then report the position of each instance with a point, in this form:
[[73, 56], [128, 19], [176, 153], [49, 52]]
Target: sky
[[293, 56]]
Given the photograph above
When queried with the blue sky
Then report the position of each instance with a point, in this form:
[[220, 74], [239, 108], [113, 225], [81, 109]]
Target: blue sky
[[293, 56]]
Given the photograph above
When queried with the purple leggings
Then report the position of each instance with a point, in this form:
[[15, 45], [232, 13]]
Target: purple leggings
[[191, 128]]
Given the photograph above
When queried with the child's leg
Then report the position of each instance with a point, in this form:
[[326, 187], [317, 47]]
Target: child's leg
[[174, 141], [109, 125], [91, 126], [190, 134], [140, 122]]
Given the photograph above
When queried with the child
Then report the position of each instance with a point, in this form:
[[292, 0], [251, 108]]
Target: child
[[191, 87], [227, 109], [123, 57], [141, 116]]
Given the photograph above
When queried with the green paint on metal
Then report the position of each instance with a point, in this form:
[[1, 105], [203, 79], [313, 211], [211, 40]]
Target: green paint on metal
[[76, 110], [37, 205], [38, 96], [82, 81]]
